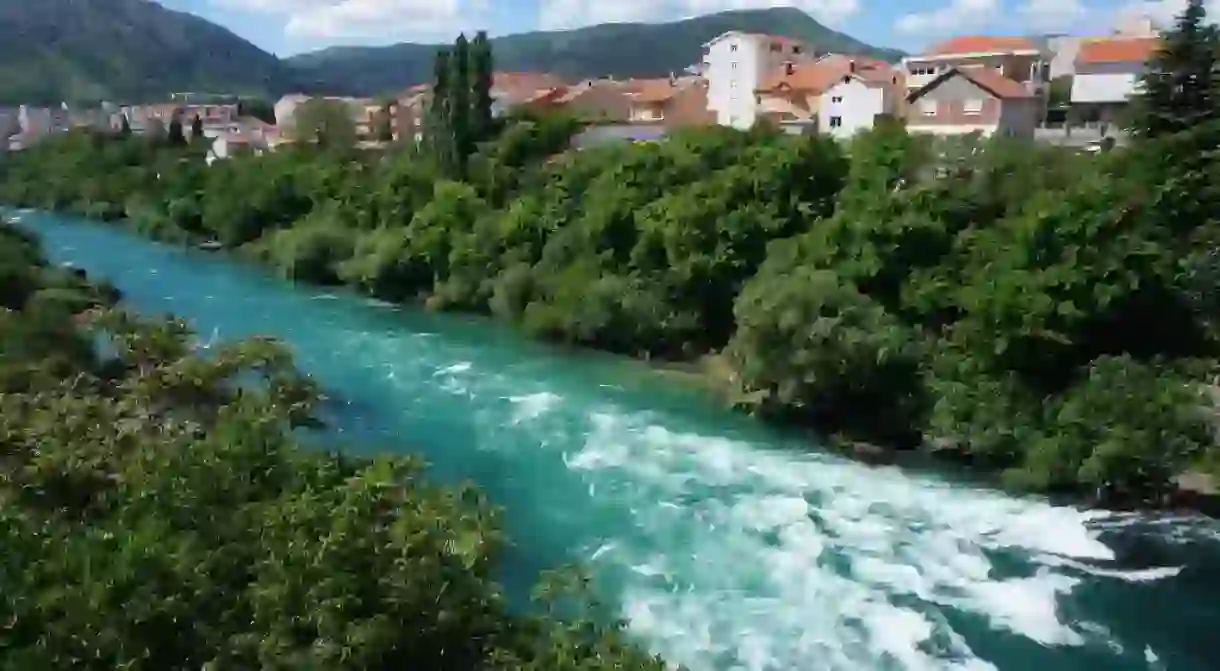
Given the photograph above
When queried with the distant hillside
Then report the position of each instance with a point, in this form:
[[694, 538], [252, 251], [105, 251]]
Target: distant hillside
[[123, 50], [619, 49]]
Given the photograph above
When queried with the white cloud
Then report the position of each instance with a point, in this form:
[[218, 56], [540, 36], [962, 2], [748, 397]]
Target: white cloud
[[1053, 15], [557, 14], [377, 19], [957, 16]]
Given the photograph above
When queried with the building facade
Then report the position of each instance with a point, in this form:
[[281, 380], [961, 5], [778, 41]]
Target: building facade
[[1107, 76], [973, 100], [1016, 58], [736, 64]]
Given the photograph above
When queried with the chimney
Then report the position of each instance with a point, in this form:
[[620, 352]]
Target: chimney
[[852, 66], [789, 68]]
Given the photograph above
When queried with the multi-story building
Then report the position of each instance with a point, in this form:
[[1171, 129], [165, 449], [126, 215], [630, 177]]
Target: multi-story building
[[1107, 75], [1016, 58], [736, 64]]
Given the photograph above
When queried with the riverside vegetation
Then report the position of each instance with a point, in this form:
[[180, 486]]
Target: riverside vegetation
[[156, 513], [1040, 313]]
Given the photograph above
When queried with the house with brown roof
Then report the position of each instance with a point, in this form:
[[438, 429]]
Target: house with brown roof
[[1016, 58], [669, 102], [837, 94], [1108, 71], [965, 100], [598, 100], [509, 89]]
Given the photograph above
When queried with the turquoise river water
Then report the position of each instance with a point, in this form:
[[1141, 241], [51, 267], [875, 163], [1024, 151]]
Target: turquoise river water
[[728, 546]]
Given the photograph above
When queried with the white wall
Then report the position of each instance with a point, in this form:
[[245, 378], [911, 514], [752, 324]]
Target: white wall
[[732, 77], [854, 103], [1105, 82]]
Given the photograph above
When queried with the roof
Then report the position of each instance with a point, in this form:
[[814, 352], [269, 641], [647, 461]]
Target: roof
[[652, 90], [980, 44], [1118, 50], [985, 78], [817, 76], [525, 80]]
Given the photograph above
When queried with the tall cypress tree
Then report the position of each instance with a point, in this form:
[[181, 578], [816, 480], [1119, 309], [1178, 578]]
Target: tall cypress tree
[[196, 127], [1180, 85], [482, 68], [436, 129], [459, 104], [175, 136]]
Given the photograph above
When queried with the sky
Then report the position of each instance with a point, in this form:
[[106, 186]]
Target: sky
[[288, 27]]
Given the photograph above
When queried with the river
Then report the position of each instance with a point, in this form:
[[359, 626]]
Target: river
[[728, 545]]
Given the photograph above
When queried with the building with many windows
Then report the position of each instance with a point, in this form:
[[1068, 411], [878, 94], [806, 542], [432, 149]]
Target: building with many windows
[[736, 64]]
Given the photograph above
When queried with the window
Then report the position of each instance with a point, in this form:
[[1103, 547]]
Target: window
[[796, 50], [972, 106], [928, 107], [836, 99], [733, 65], [777, 47], [733, 84], [836, 122], [733, 47]]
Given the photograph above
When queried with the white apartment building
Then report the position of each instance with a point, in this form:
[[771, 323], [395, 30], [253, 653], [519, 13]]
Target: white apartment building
[[854, 103], [736, 63]]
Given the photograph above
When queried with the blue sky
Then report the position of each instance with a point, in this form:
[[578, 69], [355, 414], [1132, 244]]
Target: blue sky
[[288, 27]]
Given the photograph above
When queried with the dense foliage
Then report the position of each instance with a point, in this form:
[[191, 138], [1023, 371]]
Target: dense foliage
[[156, 513], [1044, 313]]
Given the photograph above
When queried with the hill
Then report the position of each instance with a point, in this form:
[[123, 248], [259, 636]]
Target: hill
[[123, 50], [619, 49]]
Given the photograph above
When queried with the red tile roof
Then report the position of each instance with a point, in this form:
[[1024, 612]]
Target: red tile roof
[[974, 44], [999, 85], [652, 90], [818, 76], [525, 80], [1118, 50]]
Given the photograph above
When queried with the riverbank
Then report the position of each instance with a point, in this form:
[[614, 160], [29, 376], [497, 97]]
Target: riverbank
[[849, 293]]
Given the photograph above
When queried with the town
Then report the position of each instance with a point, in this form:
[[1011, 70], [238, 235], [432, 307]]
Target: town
[[1064, 90]]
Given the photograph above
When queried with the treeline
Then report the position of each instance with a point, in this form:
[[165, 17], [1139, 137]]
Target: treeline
[[1046, 314], [154, 517]]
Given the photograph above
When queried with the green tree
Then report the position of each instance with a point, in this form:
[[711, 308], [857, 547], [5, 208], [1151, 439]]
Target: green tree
[[1179, 87], [327, 122], [196, 128], [482, 72], [438, 133], [125, 126], [459, 104], [174, 135]]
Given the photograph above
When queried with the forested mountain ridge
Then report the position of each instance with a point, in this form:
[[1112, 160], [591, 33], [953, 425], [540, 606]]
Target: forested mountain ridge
[[124, 50], [138, 50], [619, 49]]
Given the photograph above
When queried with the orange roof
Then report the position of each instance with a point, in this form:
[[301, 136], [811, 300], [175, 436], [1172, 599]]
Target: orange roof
[[815, 77], [1118, 50], [652, 90], [975, 44], [996, 83], [525, 80]]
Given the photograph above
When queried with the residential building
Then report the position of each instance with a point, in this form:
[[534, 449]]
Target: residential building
[[1016, 58], [670, 103], [965, 100], [598, 100], [736, 64], [285, 109], [509, 89], [836, 94], [407, 113], [1108, 72], [40, 121]]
